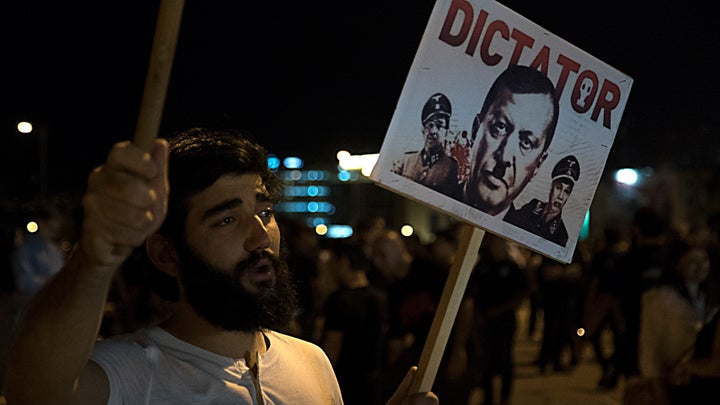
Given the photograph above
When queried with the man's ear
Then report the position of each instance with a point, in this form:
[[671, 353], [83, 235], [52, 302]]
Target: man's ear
[[162, 254]]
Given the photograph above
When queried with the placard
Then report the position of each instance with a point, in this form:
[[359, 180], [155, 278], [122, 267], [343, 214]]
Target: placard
[[503, 125]]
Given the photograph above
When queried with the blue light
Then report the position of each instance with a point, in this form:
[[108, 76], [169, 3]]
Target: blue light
[[293, 163], [327, 208], [273, 162], [313, 207], [585, 230], [306, 191], [344, 175], [291, 206], [318, 221], [294, 191], [339, 231]]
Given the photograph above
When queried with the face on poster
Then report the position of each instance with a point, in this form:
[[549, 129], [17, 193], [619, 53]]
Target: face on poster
[[503, 125]]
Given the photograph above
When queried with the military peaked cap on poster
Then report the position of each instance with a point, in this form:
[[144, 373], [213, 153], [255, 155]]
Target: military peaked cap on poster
[[437, 104], [568, 168]]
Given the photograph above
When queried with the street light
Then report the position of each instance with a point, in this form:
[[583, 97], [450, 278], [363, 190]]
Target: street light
[[25, 127]]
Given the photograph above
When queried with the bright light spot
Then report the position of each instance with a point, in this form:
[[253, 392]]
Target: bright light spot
[[581, 332], [313, 191], [342, 154], [344, 176], [585, 230], [273, 162], [339, 231], [293, 162], [32, 227], [313, 206], [367, 170], [24, 127], [626, 176], [407, 230], [321, 229], [364, 163]]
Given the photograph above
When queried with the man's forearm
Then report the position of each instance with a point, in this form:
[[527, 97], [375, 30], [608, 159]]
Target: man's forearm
[[56, 334]]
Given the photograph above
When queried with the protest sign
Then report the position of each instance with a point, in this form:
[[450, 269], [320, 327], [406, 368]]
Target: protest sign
[[530, 153]]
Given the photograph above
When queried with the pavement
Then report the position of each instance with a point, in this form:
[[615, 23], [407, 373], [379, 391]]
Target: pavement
[[577, 386]]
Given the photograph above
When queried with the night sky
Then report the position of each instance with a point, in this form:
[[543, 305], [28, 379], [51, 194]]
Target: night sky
[[309, 78]]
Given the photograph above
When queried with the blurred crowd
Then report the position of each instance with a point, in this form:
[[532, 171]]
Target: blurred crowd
[[369, 301]]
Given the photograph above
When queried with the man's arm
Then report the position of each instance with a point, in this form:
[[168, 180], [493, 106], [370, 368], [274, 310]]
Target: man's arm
[[126, 201]]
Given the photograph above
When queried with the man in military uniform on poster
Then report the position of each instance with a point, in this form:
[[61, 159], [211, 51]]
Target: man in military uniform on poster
[[432, 166], [545, 218]]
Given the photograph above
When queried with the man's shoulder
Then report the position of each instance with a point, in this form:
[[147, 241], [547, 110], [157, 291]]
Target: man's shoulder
[[533, 205], [124, 347], [533, 208], [288, 342], [406, 162]]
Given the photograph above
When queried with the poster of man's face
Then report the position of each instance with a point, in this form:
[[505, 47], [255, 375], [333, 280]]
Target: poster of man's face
[[514, 129], [522, 100]]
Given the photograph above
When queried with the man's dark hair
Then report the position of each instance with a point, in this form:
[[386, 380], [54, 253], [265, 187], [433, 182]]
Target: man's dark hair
[[353, 252], [198, 157], [521, 80]]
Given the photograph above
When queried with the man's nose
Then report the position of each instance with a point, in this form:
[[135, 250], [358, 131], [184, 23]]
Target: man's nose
[[501, 162], [500, 168], [259, 236]]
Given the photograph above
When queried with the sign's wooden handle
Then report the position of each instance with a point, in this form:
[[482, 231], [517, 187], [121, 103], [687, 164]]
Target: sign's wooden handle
[[470, 239], [156, 81], [158, 74]]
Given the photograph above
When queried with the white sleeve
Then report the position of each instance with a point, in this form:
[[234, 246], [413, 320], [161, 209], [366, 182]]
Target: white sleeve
[[127, 367]]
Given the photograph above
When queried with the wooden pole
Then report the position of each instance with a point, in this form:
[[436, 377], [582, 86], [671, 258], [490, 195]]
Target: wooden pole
[[157, 79], [158, 74], [470, 239]]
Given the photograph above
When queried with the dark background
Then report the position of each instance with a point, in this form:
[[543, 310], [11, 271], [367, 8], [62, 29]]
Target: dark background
[[309, 78]]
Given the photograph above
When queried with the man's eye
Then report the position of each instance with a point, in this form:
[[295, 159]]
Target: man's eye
[[266, 215], [498, 129], [526, 143], [226, 221]]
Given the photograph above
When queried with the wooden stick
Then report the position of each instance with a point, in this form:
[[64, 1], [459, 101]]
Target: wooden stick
[[156, 82], [470, 239], [158, 74]]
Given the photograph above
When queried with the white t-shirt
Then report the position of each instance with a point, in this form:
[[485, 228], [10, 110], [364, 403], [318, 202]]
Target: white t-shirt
[[152, 366]]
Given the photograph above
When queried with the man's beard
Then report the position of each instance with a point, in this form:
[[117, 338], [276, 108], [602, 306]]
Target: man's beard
[[221, 299]]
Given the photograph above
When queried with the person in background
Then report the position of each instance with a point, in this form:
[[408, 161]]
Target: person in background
[[603, 303], [365, 230], [673, 313], [498, 286], [697, 376], [302, 258], [560, 286], [641, 268], [40, 255], [355, 322], [215, 246], [414, 288]]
